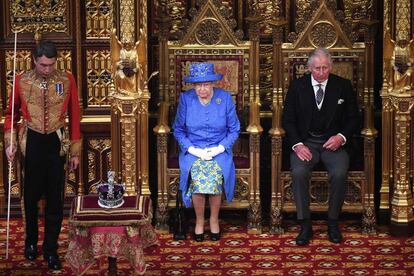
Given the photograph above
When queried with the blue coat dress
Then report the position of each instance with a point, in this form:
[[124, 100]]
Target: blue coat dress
[[205, 126]]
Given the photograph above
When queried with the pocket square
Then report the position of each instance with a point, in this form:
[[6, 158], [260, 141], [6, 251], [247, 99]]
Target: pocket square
[[340, 101]]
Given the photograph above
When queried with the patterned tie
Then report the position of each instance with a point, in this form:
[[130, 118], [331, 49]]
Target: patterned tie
[[319, 94]]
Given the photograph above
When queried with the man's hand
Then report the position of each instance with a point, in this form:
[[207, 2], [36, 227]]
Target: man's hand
[[200, 153], [303, 152], [73, 163], [214, 151], [10, 152], [334, 143]]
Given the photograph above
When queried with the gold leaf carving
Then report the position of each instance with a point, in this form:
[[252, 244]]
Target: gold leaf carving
[[44, 16], [323, 35], [98, 77], [98, 18], [209, 32]]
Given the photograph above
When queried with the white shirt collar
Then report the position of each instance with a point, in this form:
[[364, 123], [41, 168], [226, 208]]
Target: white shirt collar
[[314, 82]]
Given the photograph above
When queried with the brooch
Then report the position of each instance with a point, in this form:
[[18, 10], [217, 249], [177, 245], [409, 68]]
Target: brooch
[[218, 101], [59, 88]]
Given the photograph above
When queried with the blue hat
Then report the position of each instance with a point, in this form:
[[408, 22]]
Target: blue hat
[[202, 72]]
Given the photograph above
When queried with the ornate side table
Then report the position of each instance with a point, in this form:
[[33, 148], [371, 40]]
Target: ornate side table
[[96, 232]]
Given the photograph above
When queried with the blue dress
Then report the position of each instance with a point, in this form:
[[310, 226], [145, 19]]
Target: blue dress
[[205, 126]]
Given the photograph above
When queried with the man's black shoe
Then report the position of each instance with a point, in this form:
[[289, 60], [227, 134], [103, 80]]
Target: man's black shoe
[[305, 235], [30, 252], [53, 261], [334, 234]]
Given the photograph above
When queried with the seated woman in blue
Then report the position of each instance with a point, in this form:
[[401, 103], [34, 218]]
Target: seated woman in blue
[[206, 127]]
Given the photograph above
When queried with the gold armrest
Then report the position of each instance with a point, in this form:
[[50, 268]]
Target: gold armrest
[[276, 129], [162, 125], [254, 126]]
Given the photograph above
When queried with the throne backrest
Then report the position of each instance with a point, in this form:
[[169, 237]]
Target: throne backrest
[[210, 38]]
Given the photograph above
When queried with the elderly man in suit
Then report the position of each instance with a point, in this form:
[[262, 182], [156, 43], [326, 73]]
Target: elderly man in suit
[[320, 115]]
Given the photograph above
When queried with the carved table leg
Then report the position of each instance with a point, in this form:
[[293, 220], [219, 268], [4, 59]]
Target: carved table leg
[[112, 269]]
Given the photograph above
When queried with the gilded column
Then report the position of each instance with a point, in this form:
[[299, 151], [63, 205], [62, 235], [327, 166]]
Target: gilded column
[[277, 132], [143, 154], [402, 219], [129, 99], [402, 98], [369, 132], [386, 115], [398, 94], [162, 130], [254, 128]]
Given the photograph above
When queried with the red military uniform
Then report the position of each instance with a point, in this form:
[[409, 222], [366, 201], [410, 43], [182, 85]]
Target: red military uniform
[[43, 103], [46, 112]]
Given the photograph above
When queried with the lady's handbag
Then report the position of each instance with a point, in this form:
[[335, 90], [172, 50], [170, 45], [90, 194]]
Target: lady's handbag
[[178, 219]]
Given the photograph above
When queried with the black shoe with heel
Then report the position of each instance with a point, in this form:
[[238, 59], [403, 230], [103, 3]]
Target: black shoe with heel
[[215, 236], [199, 237]]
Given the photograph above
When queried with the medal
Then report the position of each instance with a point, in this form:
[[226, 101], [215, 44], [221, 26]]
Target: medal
[[43, 85], [59, 88]]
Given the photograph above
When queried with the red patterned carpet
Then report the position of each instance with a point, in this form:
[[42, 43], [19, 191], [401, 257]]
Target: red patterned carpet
[[239, 253]]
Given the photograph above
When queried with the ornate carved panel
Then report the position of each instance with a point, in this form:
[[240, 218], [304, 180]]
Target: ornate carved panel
[[99, 17], [305, 11], [175, 10], [403, 18], [43, 16], [98, 77], [23, 63], [266, 76], [64, 60], [98, 161], [319, 190], [268, 9]]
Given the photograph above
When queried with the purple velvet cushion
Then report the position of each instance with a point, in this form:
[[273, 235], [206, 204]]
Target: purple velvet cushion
[[85, 211]]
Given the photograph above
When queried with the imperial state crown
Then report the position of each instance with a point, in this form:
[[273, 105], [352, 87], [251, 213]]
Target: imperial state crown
[[111, 194]]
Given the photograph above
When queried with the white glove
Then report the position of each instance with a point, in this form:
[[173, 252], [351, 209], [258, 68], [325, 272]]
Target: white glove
[[200, 153], [214, 151]]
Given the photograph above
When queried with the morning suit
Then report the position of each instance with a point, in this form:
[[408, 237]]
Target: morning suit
[[301, 119], [206, 126]]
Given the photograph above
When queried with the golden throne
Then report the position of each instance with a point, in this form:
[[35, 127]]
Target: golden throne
[[354, 61], [210, 38]]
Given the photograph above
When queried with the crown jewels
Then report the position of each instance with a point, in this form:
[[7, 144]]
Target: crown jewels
[[111, 194]]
